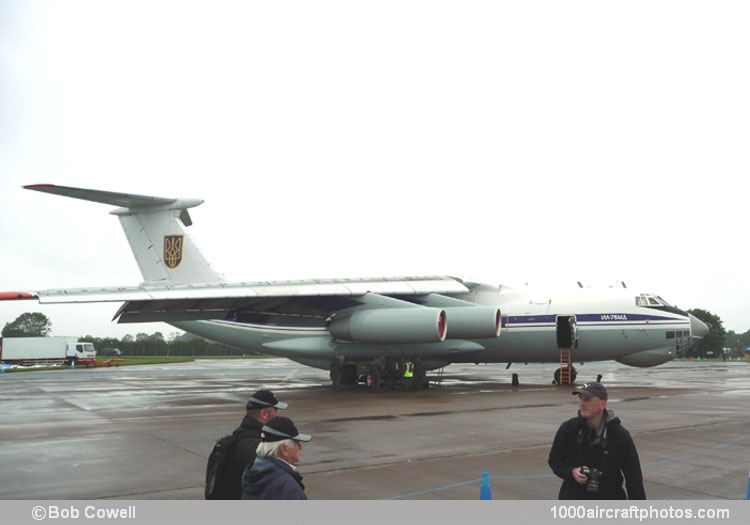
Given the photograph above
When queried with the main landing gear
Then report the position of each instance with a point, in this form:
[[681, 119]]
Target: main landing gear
[[377, 374], [342, 375]]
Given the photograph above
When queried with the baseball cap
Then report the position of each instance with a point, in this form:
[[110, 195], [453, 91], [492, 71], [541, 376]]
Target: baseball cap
[[280, 428], [265, 399], [595, 389]]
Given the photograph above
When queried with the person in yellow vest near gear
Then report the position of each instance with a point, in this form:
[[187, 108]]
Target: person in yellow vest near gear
[[408, 374]]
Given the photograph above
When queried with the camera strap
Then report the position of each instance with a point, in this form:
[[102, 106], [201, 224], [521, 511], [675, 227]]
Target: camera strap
[[603, 440], [596, 437]]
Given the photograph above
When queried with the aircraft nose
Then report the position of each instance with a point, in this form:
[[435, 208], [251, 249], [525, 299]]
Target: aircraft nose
[[698, 328]]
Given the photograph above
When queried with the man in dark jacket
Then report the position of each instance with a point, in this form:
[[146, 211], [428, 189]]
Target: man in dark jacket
[[273, 475], [259, 410], [592, 452]]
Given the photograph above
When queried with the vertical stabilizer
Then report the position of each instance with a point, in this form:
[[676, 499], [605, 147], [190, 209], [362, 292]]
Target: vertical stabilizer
[[156, 230]]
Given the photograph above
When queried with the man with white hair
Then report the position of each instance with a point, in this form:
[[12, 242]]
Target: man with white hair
[[260, 409], [274, 475]]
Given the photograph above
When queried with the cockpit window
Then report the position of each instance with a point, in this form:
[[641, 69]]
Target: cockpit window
[[665, 303], [646, 299]]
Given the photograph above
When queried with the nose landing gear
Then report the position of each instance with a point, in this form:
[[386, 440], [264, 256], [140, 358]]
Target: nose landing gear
[[559, 376]]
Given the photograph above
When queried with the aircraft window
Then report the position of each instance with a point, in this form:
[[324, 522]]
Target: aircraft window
[[670, 335], [665, 303], [650, 300]]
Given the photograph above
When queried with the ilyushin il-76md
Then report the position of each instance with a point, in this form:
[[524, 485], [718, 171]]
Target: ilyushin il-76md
[[372, 326]]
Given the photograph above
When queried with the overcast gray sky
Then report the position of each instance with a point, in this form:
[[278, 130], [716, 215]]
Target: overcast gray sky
[[506, 142]]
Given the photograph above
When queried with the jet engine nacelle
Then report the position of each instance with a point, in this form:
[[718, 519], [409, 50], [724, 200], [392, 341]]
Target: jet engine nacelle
[[647, 358], [392, 325], [473, 322]]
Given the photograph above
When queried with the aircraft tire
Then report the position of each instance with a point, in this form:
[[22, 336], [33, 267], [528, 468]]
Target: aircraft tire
[[376, 382], [348, 374], [335, 376], [343, 375], [573, 375]]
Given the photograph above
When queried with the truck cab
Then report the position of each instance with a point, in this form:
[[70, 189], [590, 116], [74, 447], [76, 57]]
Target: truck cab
[[80, 352]]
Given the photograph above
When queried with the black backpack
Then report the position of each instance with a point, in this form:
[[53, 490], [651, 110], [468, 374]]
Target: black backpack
[[217, 484]]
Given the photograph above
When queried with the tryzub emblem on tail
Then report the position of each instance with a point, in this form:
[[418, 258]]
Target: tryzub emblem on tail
[[173, 250]]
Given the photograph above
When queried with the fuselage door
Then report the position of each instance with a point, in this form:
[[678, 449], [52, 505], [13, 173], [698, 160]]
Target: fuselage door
[[566, 331]]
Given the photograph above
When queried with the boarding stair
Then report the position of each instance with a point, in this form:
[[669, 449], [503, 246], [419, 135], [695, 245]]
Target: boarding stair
[[566, 366]]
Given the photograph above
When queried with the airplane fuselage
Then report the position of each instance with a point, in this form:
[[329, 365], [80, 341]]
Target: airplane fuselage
[[608, 325]]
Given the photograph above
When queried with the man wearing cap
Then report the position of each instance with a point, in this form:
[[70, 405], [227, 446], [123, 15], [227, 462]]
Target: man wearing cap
[[259, 410], [593, 452], [273, 474]]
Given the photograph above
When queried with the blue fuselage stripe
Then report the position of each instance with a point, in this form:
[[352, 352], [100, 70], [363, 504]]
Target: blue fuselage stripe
[[594, 318]]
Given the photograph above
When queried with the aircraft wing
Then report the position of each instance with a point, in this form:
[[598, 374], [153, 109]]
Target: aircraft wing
[[171, 302]]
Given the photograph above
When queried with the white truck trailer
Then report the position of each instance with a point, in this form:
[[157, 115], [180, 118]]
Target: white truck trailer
[[38, 350]]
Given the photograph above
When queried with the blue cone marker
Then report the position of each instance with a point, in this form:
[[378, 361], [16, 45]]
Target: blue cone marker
[[485, 492]]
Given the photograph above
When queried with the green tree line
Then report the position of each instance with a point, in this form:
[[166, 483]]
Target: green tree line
[[737, 342], [36, 324], [155, 345], [717, 339]]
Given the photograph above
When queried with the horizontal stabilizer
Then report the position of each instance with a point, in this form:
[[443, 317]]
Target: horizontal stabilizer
[[155, 229], [124, 200]]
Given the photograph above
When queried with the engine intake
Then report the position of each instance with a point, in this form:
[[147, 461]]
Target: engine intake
[[392, 325]]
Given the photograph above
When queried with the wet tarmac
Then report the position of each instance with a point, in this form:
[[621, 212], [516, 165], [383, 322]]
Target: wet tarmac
[[145, 432]]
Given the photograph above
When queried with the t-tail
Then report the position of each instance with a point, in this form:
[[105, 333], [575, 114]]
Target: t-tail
[[155, 229]]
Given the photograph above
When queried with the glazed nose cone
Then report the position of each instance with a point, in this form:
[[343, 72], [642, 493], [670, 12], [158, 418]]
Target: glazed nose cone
[[698, 328]]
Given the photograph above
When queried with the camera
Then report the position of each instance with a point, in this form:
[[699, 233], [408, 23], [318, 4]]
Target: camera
[[594, 475]]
